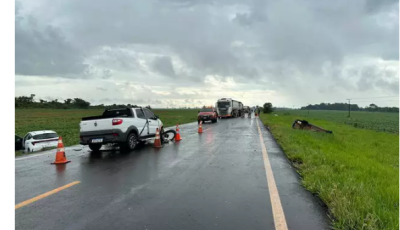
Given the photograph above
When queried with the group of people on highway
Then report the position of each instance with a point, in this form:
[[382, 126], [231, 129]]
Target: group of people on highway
[[252, 110]]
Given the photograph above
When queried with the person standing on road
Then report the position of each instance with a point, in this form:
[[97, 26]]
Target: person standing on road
[[258, 111]]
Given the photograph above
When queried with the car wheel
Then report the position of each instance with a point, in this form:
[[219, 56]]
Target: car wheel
[[95, 147], [132, 141]]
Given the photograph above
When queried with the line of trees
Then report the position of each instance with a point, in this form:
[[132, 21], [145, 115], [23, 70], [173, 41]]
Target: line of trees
[[29, 102], [353, 107], [25, 102]]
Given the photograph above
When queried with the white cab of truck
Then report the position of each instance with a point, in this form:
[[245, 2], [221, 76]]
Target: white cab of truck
[[124, 126]]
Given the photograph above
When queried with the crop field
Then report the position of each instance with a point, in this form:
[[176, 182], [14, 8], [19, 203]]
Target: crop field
[[377, 121], [354, 171], [66, 122]]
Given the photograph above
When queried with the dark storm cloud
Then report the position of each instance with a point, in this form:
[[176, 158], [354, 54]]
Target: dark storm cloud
[[164, 66], [44, 50], [390, 87], [375, 6], [277, 39], [371, 77]]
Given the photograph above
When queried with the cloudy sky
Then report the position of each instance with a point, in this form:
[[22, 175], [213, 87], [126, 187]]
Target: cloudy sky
[[191, 52]]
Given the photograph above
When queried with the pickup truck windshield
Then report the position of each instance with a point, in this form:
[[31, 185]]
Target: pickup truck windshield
[[223, 104]]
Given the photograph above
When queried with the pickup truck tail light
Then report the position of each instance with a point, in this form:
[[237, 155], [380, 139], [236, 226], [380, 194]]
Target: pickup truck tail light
[[117, 121]]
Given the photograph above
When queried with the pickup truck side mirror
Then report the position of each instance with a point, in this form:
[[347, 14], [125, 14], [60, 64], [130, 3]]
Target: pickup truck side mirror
[[156, 117]]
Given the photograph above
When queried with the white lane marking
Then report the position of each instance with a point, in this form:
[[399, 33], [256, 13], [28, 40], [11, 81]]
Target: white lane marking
[[277, 210]]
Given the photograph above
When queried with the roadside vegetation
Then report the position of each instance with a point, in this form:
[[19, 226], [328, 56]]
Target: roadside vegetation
[[354, 171], [66, 121]]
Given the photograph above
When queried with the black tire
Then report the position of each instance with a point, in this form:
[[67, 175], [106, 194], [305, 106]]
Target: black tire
[[215, 120], [161, 135], [95, 147], [132, 141]]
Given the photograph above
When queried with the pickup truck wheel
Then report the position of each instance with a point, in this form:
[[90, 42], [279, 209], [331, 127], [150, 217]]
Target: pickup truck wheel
[[95, 147], [132, 141]]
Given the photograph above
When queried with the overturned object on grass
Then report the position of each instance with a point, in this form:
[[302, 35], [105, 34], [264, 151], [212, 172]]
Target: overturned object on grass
[[303, 124]]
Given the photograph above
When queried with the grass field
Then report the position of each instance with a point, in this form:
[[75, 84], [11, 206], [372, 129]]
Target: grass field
[[382, 122], [354, 171], [66, 122]]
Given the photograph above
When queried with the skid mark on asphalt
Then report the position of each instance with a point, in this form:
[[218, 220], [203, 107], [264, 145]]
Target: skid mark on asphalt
[[277, 210], [44, 195]]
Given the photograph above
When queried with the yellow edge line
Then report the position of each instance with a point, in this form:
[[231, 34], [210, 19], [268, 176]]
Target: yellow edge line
[[277, 210], [22, 204]]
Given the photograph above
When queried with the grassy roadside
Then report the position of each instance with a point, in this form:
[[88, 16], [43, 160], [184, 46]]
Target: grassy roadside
[[66, 122], [354, 171]]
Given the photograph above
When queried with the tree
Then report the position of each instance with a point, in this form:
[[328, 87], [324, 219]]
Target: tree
[[68, 101], [148, 107], [80, 103], [267, 108]]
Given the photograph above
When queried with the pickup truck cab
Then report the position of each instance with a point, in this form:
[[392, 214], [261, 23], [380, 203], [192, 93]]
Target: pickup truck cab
[[207, 114], [124, 126]]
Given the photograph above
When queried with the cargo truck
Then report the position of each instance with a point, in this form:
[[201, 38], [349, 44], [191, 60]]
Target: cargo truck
[[227, 107]]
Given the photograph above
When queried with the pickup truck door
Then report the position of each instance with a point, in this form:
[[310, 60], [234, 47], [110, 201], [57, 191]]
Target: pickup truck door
[[142, 122], [153, 122]]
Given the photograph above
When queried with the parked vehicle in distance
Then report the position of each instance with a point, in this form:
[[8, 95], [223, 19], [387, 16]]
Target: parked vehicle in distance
[[39, 140], [18, 143], [207, 114], [227, 107], [123, 126]]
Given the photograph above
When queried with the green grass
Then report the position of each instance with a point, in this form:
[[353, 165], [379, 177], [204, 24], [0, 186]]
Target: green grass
[[377, 121], [66, 122], [354, 171]]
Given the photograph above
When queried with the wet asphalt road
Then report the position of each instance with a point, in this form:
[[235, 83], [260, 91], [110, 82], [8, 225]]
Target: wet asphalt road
[[215, 180]]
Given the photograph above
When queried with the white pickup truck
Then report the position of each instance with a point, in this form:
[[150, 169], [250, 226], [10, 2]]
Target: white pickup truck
[[124, 126]]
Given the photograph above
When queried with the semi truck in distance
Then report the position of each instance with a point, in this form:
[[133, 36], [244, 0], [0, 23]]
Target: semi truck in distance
[[227, 107]]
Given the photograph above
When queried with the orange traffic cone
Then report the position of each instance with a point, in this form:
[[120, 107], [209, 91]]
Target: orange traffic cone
[[60, 155], [157, 141], [177, 135], [200, 127]]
